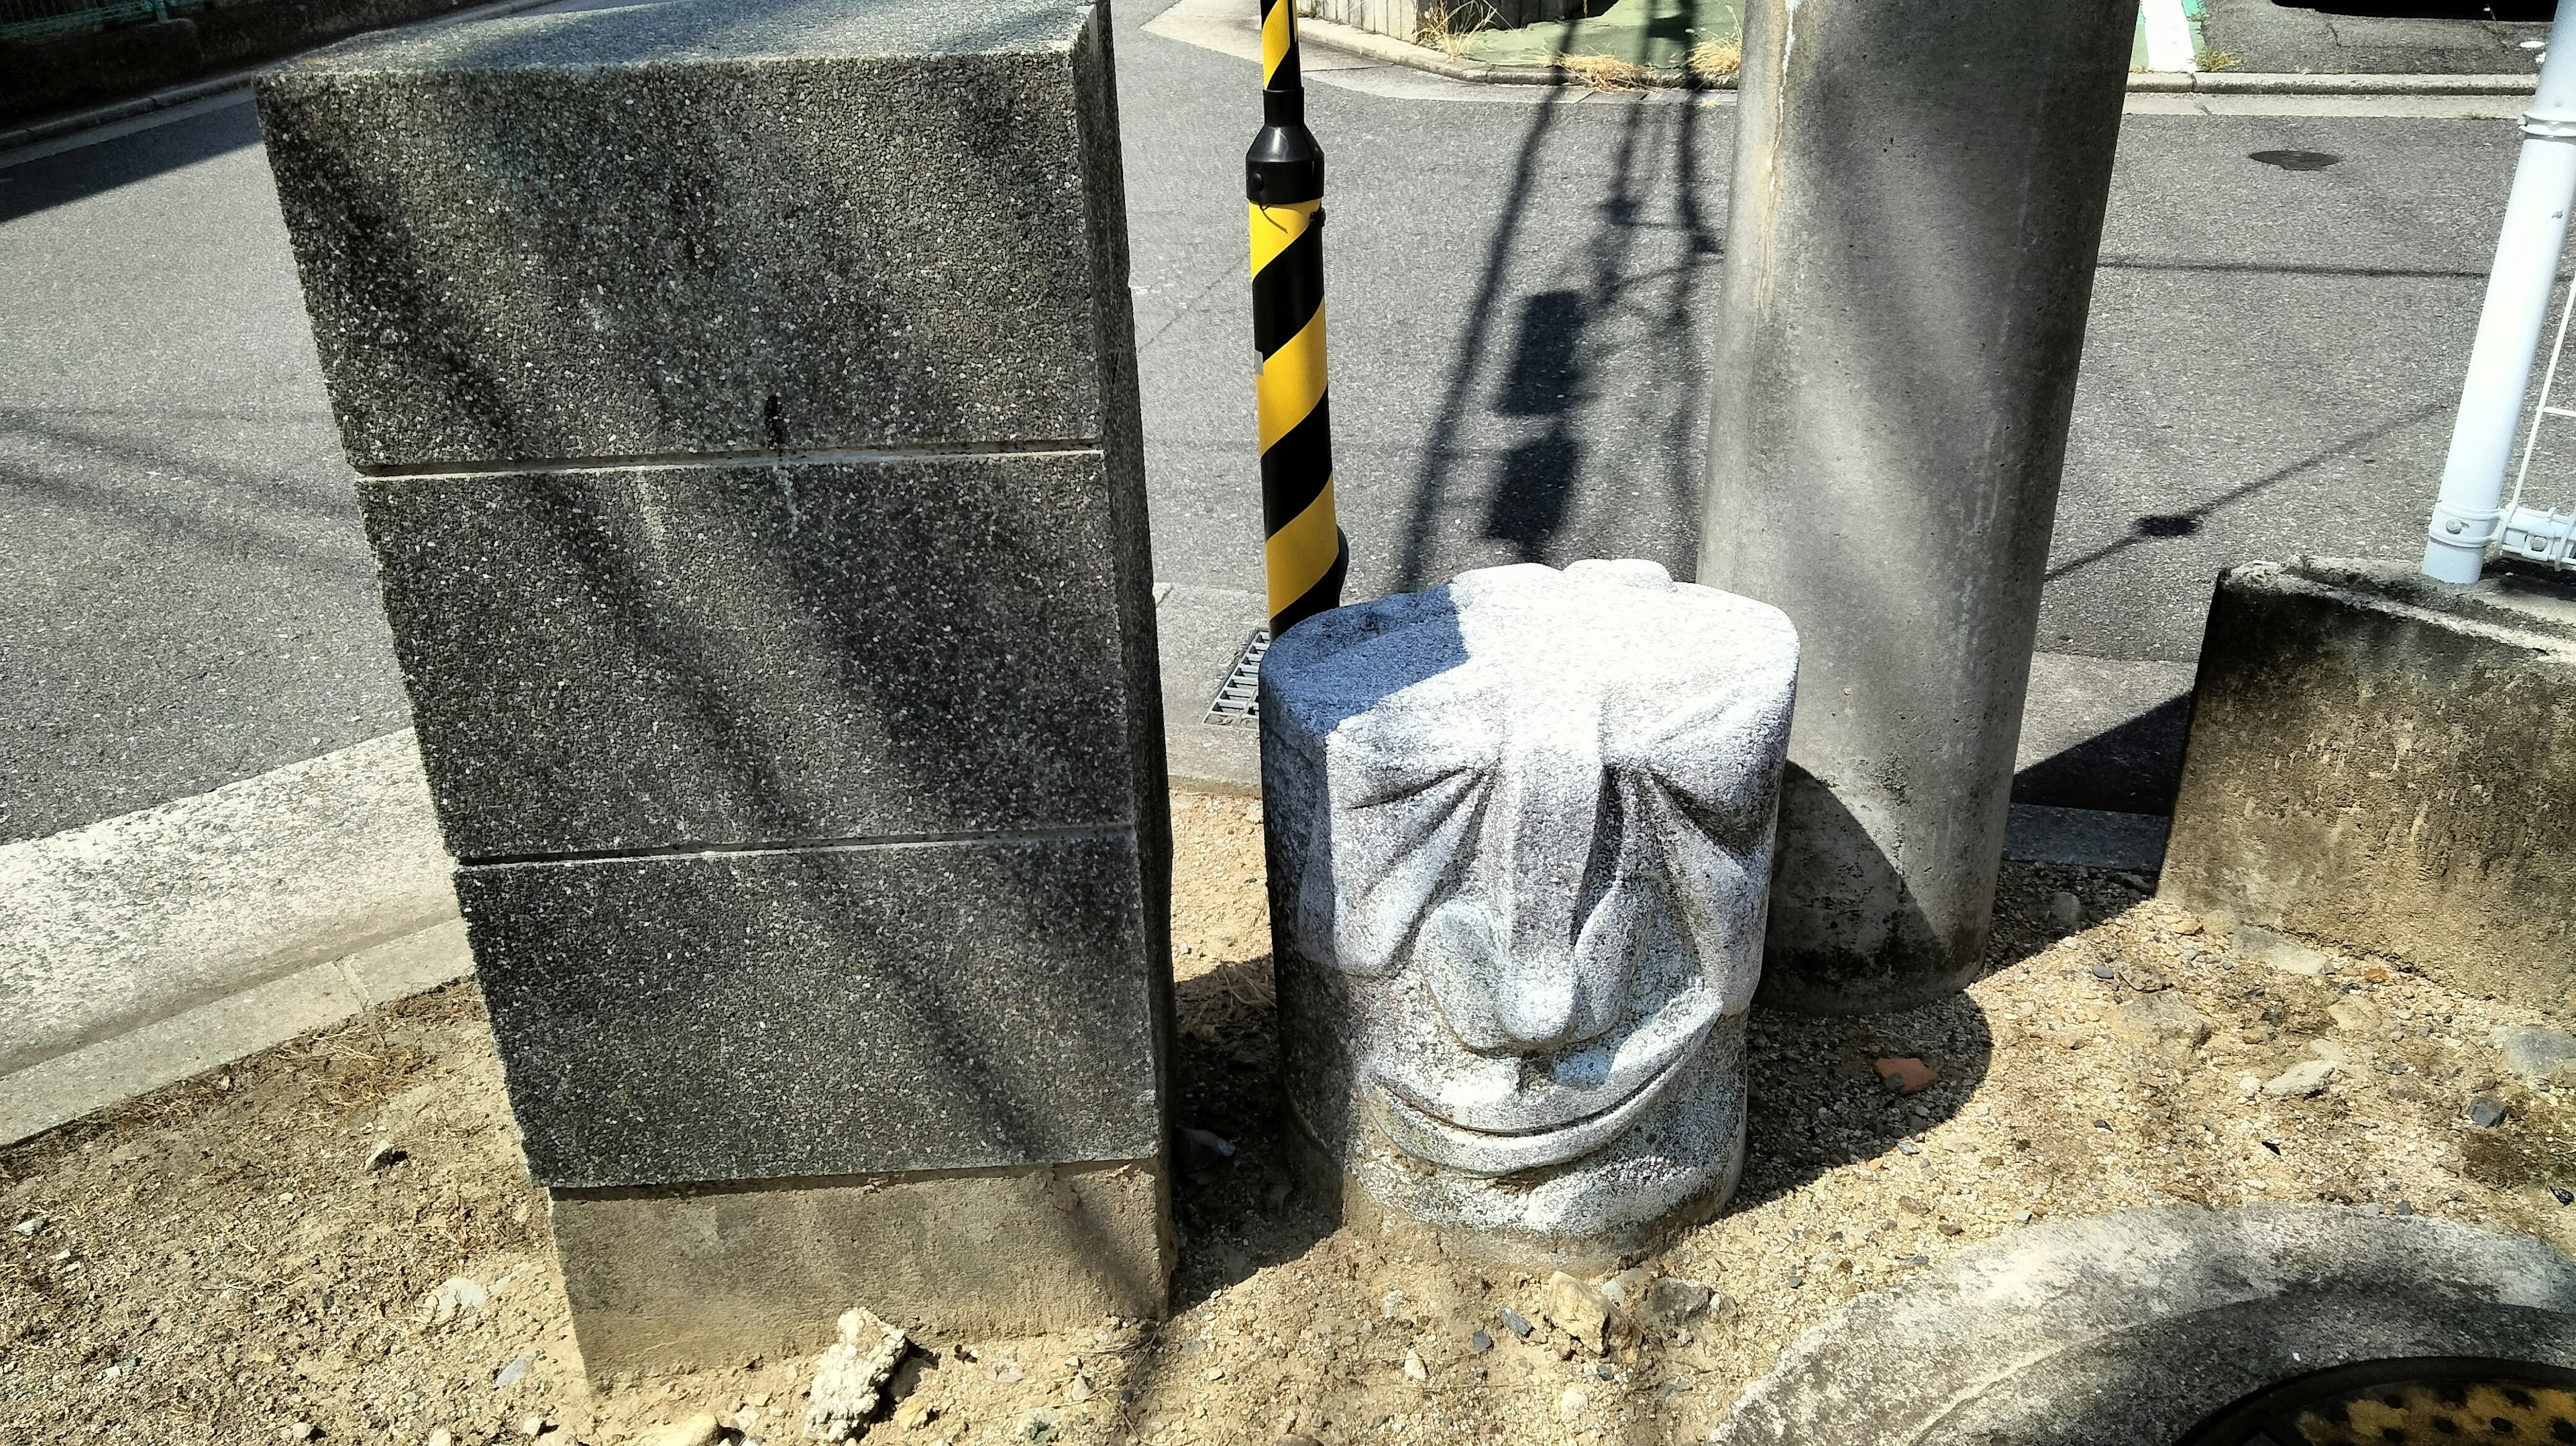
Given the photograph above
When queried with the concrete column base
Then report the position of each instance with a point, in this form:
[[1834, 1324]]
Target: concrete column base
[[2381, 761], [685, 1277]]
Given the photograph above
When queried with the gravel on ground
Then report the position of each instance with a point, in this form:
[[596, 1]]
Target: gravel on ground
[[336, 1240]]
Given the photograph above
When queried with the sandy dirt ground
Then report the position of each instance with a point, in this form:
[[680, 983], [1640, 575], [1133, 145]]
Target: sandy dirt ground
[[337, 1241]]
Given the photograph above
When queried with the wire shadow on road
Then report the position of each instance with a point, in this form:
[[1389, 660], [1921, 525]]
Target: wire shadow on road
[[1560, 346]]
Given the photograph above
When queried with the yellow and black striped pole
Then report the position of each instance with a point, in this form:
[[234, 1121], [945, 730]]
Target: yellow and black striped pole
[[1306, 554]]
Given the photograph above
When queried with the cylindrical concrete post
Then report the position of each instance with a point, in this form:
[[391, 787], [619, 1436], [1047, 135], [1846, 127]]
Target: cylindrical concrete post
[[1918, 198]]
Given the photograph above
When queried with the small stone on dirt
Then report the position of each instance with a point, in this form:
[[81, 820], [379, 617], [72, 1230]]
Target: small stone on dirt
[[2104, 971], [2300, 1081], [510, 1374], [1579, 1310], [2141, 977], [2262, 946], [300, 1431], [1572, 1405], [2164, 1022], [1912, 1206], [1478, 1341], [1515, 1322], [1037, 1427], [455, 1294], [1905, 1076], [534, 1426], [386, 1155], [701, 1429], [2065, 911], [2538, 1055], [2486, 1112], [440, 1437], [1673, 1300], [30, 1225], [1414, 1370], [916, 1415], [1627, 1289], [2562, 1195]]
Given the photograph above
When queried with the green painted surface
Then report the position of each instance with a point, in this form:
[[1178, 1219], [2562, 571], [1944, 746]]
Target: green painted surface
[[1641, 32]]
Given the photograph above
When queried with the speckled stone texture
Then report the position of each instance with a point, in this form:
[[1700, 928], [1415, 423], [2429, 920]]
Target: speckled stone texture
[[755, 1015], [1520, 848], [708, 227], [746, 396], [760, 654]]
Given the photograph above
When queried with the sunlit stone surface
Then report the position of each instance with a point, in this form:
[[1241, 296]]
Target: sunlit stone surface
[[1520, 847]]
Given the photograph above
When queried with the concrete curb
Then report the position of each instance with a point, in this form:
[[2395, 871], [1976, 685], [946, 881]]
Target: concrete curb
[[180, 913], [164, 1052], [1372, 46], [171, 97]]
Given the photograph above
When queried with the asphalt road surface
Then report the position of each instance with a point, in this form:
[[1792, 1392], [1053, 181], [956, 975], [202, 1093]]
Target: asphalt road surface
[[1521, 288]]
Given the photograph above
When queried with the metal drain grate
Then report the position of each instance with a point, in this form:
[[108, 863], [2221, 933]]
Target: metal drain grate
[[1238, 698], [2418, 1399]]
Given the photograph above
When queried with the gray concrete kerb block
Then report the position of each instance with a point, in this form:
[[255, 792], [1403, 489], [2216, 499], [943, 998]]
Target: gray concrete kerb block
[[2130, 1328], [2374, 762]]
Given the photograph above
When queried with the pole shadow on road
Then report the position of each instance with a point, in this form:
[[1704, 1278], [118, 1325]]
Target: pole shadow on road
[[44, 182], [1561, 344]]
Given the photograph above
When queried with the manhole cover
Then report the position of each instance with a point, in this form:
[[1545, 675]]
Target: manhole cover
[[2411, 1399], [2294, 160], [1238, 698]]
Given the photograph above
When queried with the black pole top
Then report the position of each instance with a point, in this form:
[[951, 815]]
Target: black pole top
[[1285, 165]]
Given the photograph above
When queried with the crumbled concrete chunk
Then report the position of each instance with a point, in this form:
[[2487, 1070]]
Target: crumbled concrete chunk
[[849, 1382]]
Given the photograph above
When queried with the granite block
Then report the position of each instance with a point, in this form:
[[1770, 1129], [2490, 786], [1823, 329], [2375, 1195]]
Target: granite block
[[1520, 845], [609, 660], [828, 1011], [687, 1277], [712, 226]]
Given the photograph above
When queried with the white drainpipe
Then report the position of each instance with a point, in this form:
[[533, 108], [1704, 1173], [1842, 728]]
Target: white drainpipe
[[2465, 520]]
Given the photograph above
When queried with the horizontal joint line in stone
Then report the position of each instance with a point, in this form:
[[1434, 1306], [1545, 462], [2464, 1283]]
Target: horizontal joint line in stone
[[780, 1184], [939, 451], [809, 846]]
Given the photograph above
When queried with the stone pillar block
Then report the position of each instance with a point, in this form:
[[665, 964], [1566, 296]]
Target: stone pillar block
[[744, 399], [2378, 760], [1520, 853]]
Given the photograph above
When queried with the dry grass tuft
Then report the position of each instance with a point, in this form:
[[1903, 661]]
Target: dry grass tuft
[[2219, 60], [1238, 993], [1716, 59], [1608, 72], [1445, 27]]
